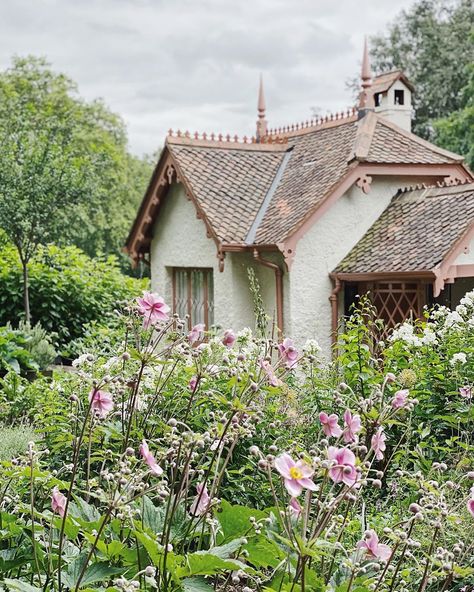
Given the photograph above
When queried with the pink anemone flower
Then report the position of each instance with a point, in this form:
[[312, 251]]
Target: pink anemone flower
[[229, 338], [150, 459], [378, 443], [400, 399], [330, 424], [152, 308], [466, 392], [373, 548], [470, 506], [201, 502], [101, 402], [58, 502], [272, 377], [196, 333], [296, 475], [288, 352], [352, 426], [294, 508], [345, 470]]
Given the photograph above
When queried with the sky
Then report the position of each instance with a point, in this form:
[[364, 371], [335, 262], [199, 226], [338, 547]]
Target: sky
[[195, 64]]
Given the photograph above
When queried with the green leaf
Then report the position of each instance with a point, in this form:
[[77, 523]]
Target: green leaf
[[235, 521], [206, 564], [153, 517], [95, 572], [20, 586], [196, 585]]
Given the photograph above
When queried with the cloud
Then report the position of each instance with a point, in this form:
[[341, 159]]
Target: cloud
[[194, 64]]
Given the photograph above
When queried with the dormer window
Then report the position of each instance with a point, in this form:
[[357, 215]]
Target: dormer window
[[399, 97], [377, 99]]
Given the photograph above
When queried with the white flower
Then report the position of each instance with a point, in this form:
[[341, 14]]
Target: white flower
[[81, 360], [311, 347], [459, 358]]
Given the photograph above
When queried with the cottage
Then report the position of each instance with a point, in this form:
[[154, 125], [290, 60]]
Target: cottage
[[321, 210]]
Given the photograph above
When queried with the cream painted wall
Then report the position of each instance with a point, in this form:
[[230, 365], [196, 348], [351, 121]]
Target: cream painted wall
[[398, 114], [179, 240], [466, 258], [321, 249]]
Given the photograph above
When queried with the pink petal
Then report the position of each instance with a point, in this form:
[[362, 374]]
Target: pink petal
[[283, 464]]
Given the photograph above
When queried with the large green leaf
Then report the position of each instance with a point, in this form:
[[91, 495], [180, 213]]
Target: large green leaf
[[95, 572], [203, 563], [235, 521], [20, 586], [196, 585]]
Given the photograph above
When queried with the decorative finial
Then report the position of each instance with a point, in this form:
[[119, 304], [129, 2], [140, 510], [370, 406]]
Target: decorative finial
[[261, 121], [366, 100]]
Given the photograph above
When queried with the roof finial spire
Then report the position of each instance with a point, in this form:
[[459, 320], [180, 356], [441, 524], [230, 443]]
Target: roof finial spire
[[366, 100], [261, 121]]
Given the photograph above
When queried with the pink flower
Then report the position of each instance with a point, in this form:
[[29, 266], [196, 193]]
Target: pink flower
[[229, 338], [400, 399], [272, 377], [196, 333], [330, 425], [373, 548], [58, 502], [102, 402], [470, 506], [150, 459], [294, 508], [296, 475], [344, 471], [466, 392], [152, 308], [378, 443], [192, 384], [201, 502], [352, 427], [288, 352]]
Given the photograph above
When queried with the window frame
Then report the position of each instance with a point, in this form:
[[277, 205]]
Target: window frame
[[207, 273]]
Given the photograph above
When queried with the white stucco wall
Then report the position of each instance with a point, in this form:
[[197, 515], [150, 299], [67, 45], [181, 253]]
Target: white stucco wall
[[321, 249], [466, 258], [180, 240], [398, 114]]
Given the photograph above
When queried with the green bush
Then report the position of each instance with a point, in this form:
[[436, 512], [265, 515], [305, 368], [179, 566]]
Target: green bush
[[14, 354], [67, 289], [14, 441]]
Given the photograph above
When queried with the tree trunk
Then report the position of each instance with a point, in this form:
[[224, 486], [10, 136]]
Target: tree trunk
[[26, 291]]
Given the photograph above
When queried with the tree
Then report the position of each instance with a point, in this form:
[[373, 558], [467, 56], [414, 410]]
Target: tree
[[432, 43], [456, 132], [62, 166]]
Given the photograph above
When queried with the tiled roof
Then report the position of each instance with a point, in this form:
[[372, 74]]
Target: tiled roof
[[229, 183], [414, 233], [271, 188], [383, 82], [318, 160], [392, 145]]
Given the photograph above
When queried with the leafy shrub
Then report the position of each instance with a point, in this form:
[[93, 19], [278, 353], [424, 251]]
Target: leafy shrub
[[14, 441], [180, 467], [14, 354], [39, 343], [67, 289]]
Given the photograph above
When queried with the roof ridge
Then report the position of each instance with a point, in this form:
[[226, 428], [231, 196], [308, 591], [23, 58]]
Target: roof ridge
[[222, 139], [364, 136], [449, 183], [421, 141], [337, 118]]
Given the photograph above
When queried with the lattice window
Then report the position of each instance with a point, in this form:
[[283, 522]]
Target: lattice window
[[193, 295], [397, 301]]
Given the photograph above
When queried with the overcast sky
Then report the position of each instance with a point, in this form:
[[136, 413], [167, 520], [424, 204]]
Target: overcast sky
[[194, 64]]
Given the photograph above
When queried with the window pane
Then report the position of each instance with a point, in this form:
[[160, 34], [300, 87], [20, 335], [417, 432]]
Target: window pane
[[194, 295]]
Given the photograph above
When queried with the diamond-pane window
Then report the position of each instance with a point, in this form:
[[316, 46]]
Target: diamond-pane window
[[396, 301], [193, 295]]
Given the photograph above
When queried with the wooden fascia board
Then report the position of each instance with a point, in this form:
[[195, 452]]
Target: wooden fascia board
[[422, 274], [446, 270]]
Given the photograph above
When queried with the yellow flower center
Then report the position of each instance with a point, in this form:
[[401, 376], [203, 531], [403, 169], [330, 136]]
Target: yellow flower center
[[296, 473]]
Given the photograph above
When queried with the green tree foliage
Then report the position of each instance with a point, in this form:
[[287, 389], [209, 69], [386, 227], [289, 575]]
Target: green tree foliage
[[65, 173], [456, 132], [68, 289], [432, 43]]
